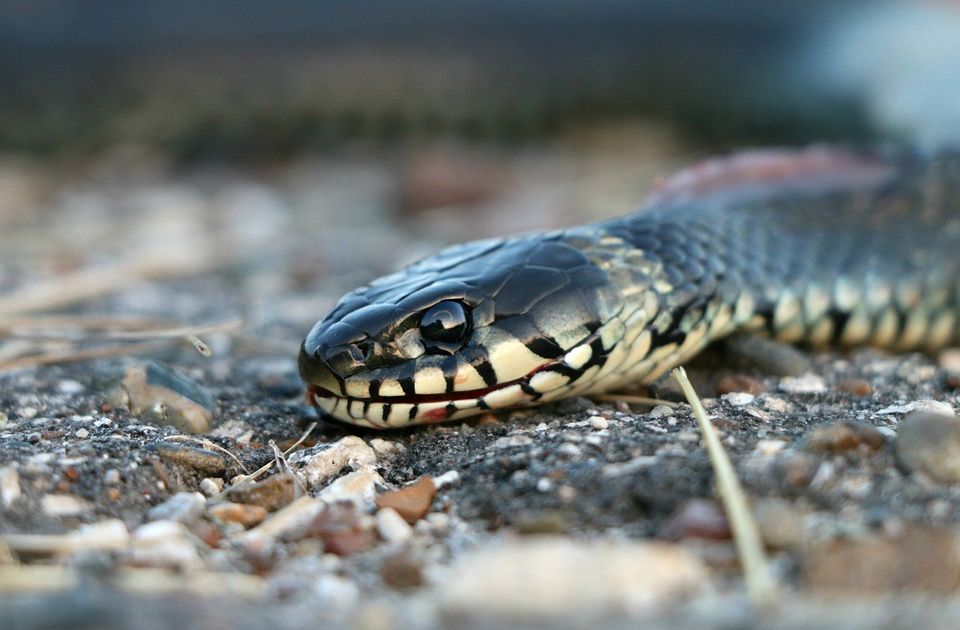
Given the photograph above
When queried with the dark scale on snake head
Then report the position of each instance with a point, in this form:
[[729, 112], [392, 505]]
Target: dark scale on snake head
[[820, 246]]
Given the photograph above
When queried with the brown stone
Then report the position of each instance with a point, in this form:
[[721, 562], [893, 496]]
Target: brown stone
[[403, 571], [799, 469], [272, 493], [697, 518], [411, 502], [343, 530], [919, 560], [739, 383], [844, 435], [246, 515], [855, 387]]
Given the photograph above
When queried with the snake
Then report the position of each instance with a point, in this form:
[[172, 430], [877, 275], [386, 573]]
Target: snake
[[820, 245]]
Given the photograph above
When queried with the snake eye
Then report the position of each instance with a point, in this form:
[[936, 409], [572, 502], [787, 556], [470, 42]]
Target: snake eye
[[445, 322]]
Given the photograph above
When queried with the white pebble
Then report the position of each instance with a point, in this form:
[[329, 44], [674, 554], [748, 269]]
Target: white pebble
[[738, 399], [931, 406], [211, 486], [69, 387], [391, 526], [82, 434], [9, 486], [64, 505], [659, 411], [598, 422], [805, 384], [111, 477], [449, 478]]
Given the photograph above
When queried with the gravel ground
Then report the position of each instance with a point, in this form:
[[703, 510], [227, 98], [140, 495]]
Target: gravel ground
[[585, 512]]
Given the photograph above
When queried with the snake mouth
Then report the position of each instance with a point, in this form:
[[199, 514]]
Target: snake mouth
[[383, 412]]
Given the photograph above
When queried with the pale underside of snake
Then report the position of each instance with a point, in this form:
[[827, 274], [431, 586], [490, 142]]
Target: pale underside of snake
[[821, 246]]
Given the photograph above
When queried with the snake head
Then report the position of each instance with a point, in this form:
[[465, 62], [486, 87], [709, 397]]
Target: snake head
[[484, 325]]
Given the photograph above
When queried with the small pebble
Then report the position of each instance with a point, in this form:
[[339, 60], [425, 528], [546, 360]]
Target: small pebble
[[82, 434], [449, 478], [181, 507], [930, 443], [111, 477], [9, 486], [69, 387], [779, 522], [211, 486], [949, 360], [598, 422], [804, 384], [411, 502], [61, 505], [165, 544], [660, 411], [246, 515], [272, 493], [844, 435], [931, 406], [159, 394], [358, 488], [320, 464], [855, 387], [739, 383], [697, 518], [392, 527], [402, 571], [201, 459], [738, 399]]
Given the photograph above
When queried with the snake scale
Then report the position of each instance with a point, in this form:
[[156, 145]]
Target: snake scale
[[822, 246]]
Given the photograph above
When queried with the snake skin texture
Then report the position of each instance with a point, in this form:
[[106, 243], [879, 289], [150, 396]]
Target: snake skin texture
[[821, 246]]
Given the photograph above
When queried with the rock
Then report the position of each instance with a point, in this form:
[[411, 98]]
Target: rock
[[918, 560], [739, 383], [211, 486], [385, 448], [697, 518], [805, 384], [799, 469], [288, 522], [411, 502], [403, 571], [70, 387], [166, 544], [105, 535], [272, 493], [159, 394], [738, 399], [449, 478], [949, 360], [246, 515], [931, 406], [320, 464], [9, 486], [112, 477], [206, 461], [61, 505], [559, 578], [844, 435], [598, 422], [344, 530], [181, 507], [855, 387], [779, 522], [358, 488], [392, 527], [930, 443]]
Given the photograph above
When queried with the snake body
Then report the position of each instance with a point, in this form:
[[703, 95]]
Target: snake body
[[822, 246]]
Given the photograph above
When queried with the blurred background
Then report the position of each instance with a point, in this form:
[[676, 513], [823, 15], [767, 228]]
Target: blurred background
[[262, 158]]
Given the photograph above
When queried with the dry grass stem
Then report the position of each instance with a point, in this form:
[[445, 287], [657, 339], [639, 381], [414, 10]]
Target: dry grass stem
[[761, 587]]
